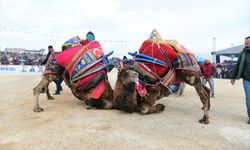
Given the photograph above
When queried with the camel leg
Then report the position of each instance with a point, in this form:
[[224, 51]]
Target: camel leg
[[204, 95], [108, 97], [47, 82], [37, 108], [101, 103], [47, 92], [146, 109], [37, 90], [104, 104], [107, 105], [203, 92], [147, 106], [207, 94]]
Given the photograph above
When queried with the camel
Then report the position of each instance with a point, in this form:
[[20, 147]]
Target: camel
[[131, 95], [54, 71], [126, 97]]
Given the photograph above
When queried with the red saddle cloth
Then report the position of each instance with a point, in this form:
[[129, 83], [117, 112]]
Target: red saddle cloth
[[152, 49], [78, 61], [175, 55]]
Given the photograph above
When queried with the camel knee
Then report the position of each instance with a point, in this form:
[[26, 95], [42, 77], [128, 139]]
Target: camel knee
[[41, 87], [190, 79], [108, 105], [36, 91], [144, 109]]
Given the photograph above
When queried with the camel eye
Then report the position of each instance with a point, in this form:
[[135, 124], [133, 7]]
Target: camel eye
[[126, 73], [135, 75]]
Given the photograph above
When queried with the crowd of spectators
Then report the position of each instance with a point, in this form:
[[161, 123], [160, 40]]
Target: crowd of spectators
[[224, 70], [13, 58]]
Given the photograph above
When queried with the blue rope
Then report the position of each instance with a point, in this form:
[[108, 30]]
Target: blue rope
[[146, 58]]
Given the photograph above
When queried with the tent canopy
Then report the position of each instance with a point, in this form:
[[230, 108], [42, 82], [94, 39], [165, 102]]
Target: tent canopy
[[229, 51]]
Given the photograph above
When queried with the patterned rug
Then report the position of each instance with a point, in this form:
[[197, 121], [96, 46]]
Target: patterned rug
[[52, 67]]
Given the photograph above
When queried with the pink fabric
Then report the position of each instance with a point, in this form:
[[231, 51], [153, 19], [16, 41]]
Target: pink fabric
[[141, 89], [98, 90]]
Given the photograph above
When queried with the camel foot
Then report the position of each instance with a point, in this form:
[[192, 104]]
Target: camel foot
[[204, 120], [107, 105], [38, 109], [159, 107], [51, 98], [91, 108], [203, 108]]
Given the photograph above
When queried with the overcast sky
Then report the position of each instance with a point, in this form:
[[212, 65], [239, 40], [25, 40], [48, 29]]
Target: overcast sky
[[122, 25]]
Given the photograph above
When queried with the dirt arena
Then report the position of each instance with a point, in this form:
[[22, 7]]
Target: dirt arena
[[65, 122]]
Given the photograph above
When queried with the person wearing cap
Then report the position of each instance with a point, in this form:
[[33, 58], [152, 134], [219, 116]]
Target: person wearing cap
[[207, 71], [242, 70], [90, 37]]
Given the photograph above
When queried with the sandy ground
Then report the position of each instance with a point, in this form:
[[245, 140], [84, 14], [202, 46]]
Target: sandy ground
[[65, 122]]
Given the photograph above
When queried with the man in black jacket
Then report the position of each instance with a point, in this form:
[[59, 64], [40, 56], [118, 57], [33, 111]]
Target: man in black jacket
[[242, 70], [57, 81], [51, 50]]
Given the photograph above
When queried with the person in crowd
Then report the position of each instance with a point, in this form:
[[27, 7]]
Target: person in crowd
[[207, 71], [242, 70]]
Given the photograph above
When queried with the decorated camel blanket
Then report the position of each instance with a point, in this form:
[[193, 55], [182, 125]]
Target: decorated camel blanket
[[86, 66], [174, 55], [52, 67], [72, 42]]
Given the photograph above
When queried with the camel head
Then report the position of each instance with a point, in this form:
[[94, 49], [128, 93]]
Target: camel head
[[127, 97], [128, 79]]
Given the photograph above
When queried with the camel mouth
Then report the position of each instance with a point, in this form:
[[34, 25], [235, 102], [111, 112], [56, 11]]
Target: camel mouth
[[130, 86], [130, 81]]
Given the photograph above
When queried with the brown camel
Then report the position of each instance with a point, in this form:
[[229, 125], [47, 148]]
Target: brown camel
[[126, 97], [129, 99], [53, 71]]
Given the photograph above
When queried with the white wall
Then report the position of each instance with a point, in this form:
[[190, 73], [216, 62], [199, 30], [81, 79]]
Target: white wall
[[20, 69]]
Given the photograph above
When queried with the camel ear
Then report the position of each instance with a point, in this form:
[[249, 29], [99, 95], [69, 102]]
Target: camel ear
[[121, 66]]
